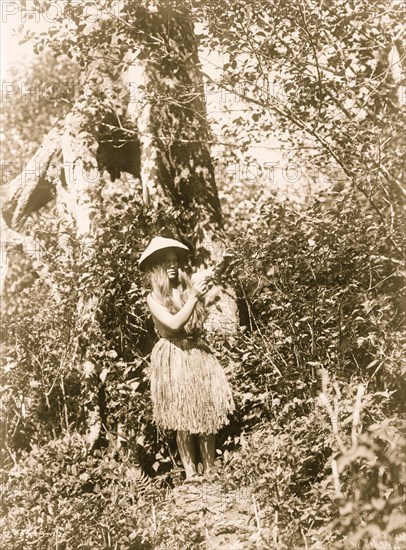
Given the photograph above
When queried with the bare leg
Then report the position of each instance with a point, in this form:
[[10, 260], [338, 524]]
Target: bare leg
[[207, 444], [186, 449]]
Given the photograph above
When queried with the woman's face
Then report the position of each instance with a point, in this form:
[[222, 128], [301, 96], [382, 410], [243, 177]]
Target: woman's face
[[170, 263]]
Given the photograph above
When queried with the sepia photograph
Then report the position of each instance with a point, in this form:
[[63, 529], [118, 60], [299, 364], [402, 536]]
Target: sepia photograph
[[203, 277]]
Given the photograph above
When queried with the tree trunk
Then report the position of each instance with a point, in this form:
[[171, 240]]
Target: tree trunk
[[33, 187], [168, 106]]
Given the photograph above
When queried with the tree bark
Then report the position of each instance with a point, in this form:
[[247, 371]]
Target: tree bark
[[169, 108], [33, 188]]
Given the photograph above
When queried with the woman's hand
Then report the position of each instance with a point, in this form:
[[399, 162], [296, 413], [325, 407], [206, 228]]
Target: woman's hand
[[200, 288]]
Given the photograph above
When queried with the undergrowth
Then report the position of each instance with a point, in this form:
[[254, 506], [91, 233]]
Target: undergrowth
[[316, 370]]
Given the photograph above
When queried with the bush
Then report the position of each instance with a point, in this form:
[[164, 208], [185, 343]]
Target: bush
[[68, 359], [322, 292], [62, 495]]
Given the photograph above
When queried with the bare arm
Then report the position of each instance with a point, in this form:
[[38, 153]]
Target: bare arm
[[177, 321]]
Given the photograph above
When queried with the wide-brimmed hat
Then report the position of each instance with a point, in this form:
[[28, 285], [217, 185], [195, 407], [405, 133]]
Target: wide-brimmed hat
[[157, 245]]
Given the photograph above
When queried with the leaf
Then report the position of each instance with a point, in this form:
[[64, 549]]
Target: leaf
[[378, 503], [104, 374], [134, 384], [247, 397], [396, 523], [88, 368], [353, 454]]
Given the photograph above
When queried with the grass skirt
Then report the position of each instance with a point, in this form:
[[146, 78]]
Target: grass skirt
[[189, 388]]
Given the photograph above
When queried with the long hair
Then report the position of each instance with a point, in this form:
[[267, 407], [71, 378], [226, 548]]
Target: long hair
[[162, 289]]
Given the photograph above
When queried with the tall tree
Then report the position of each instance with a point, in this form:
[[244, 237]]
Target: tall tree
[[141, 113]]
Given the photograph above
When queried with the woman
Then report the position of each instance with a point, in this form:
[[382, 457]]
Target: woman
[[189, 389]]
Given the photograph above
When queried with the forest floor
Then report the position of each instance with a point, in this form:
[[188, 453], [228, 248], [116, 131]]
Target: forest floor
[[229, 521]]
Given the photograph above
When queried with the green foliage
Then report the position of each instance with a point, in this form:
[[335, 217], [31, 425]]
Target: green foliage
[[322, 293], [327, 77], [288, 467], [324, 299], [57, 348], [36, 98], [61, 495], [371, 502]]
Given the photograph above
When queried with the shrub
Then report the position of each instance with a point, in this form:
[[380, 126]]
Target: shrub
[[62, 495]]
